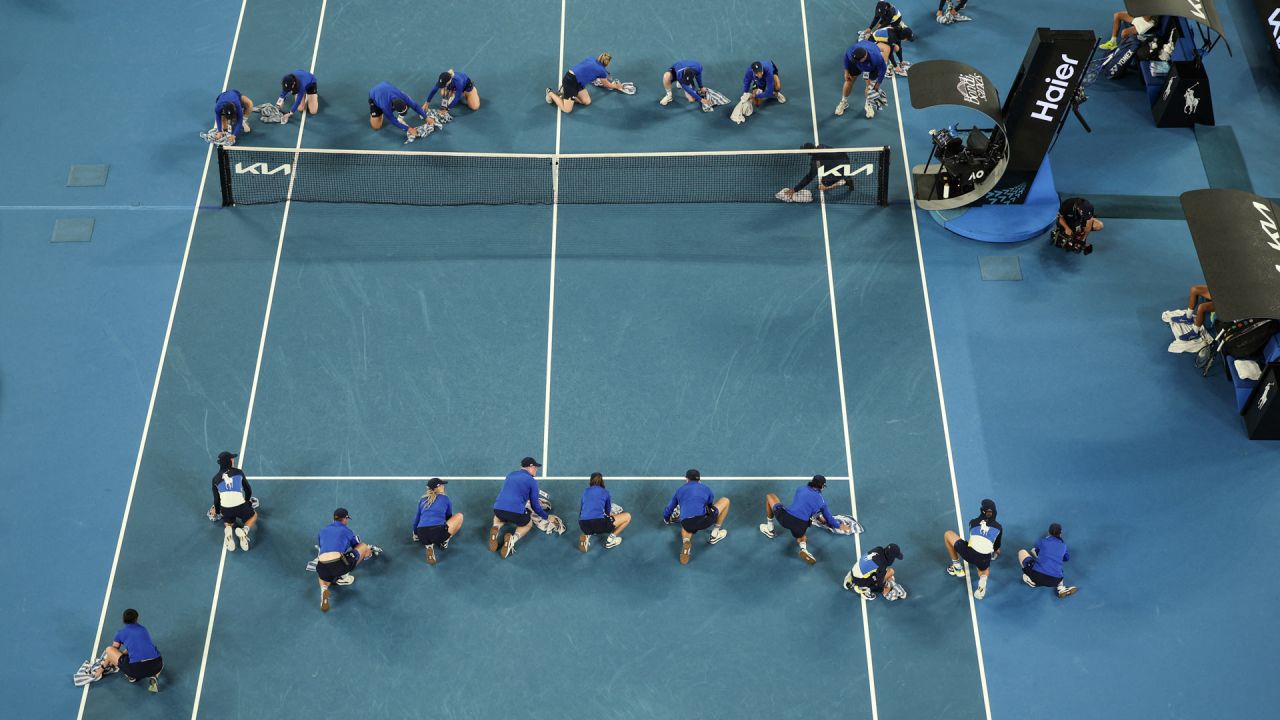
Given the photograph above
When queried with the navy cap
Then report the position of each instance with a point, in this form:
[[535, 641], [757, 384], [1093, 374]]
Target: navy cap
[[988, 504], [341, 514], [1055, 529], [859, 53], [757, 67], [529, 461], [692, 475], [892, 551], [434, 483], [226, 456], [818, 481]]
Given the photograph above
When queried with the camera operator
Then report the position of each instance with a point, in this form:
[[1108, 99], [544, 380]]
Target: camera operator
[[1075, 222]]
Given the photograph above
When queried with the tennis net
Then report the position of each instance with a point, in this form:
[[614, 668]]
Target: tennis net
[[257, 175]]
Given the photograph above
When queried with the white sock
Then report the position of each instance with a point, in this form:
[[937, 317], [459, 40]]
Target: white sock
[[804, 546], [515, 538], [226, 531], [982, 581], [612, 536], [769, 524]]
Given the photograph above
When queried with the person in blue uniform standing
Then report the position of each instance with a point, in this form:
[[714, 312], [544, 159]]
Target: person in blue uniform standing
[[231, 111], [596, 516], [688, 74], [233, 500], [387, 100], [516, 503], [863, 57], [455, 87], [795, 517], [573, 86], [306, 94], [340, 552], [872, 573], [982, 548], [1042, 567], [133, 653], [699, 510], [436, 522], [763, 82]]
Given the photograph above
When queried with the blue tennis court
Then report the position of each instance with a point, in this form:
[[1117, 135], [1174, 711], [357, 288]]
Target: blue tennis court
[[349, 352]]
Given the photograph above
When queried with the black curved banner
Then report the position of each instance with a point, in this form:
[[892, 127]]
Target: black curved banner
[[1237, 238], [947, 82]]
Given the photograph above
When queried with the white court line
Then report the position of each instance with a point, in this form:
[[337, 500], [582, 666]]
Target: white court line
[[844, 410], [155, 385], [583, 477], [942, 402], [257, 368], [555, 220]]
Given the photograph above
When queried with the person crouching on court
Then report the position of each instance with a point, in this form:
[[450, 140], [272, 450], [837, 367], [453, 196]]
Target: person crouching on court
[[340, 552], [982, 548], [795, 517], [306, 94], [863, 57], [817, 161], [762, 82], [516, 502], [699, 510], [386, 100], [233, 500], [688, 74], [454, 87], [231, 111], [596, 516], [573, 86], [132, 652], [872, 573], [436, 522], [1042, 567]]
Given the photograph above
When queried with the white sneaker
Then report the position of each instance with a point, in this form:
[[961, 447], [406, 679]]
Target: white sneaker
[[808, 557], [764, 528], [1027, 579], [1067, 591], [243, 534], [245, 124], [666, 99], [844, 105], [228, 542], [584, 543], [345, 580], [782, 99], [979, 592], [717, 534], [375, 550], [871, 110], [955, 569], [612, 541]]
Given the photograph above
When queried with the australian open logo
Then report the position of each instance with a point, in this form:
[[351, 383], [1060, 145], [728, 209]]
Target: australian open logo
[[972, 88]]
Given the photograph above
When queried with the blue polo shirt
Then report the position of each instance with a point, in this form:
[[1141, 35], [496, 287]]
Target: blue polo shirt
[[383, 93], [519, 488], [808, 501], [440, 511], [680, 66], [336, 537], [1051, 552], [459, 82], [873, 66], [765, 84], [233, 98], [137, 643], [588, 71], [305, 80], [693, 498], [596, 503]]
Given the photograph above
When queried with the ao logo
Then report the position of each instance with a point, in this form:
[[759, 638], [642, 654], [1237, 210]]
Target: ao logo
[[845, 170], [261, 168]]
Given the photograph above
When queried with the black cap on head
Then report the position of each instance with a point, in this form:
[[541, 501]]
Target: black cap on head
[[692, 475], [859, 54], [1055, 530], [807, 146], [756, 67], [687, 76], [398, 105], [130, 616], [289, 83], [528, 462], [225, 457], [892, 551], [228, 110], [907, 33], [818, 481], [341, 514], [434, 483], [445, 78], [988, 505]]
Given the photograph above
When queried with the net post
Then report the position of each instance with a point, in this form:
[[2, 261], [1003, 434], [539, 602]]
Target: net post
[[224, 177], [555, 179], [882, 194]]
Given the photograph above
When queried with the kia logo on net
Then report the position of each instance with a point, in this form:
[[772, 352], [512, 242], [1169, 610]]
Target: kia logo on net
[[845, 170], [261, 168]]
